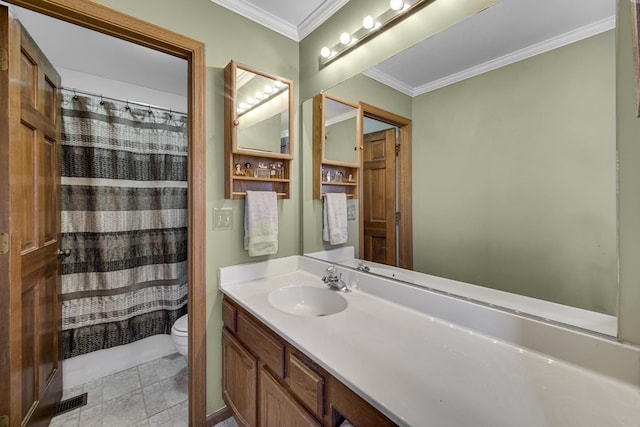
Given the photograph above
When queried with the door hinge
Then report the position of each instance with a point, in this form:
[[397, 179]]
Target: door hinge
[[4, 420], [4, 66], [397, 149], [397, 216], [4, 248]]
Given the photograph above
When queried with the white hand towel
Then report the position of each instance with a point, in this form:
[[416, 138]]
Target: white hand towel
[[261, 223], [334, 216]]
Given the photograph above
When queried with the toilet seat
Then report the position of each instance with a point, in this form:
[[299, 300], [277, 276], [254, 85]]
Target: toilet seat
[[181, 326], [180, 335]]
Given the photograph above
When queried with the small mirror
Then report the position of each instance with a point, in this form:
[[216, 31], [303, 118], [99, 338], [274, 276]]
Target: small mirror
[[340, 131], [262, 108], [337, 140]]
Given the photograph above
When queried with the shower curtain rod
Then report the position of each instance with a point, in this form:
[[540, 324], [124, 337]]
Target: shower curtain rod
[[141, 104]]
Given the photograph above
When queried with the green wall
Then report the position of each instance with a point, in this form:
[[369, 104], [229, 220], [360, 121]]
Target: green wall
[[226, 36], [517, 177], [628, 130]]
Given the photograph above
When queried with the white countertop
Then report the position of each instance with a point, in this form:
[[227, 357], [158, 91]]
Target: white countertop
[[422, 371]]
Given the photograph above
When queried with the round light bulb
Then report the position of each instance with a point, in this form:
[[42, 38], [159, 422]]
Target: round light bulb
[[345, 38], [279, 83], [396, 4], [259, 95], [325, 52], [242, 105], [251, 101], [268, 89], [368, 22]]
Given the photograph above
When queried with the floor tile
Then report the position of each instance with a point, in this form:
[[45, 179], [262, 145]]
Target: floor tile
[[125, 410], [92, 416], [121, 399], [120, 383], [69, 419], [94, 390], [162, 368]]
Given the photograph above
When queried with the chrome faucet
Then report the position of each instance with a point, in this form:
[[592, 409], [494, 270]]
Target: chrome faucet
[[334, 281], [362, 266]]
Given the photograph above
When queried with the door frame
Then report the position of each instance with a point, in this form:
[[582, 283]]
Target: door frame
[[403, 181], [108, 21]]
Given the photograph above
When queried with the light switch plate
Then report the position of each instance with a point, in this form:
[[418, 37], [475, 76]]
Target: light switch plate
[[351, 212], [222, 218]]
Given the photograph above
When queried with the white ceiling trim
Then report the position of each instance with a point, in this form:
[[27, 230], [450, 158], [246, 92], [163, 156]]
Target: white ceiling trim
[[519, 55], [321, 14], [522, 54], [260, 16], [390, 81]]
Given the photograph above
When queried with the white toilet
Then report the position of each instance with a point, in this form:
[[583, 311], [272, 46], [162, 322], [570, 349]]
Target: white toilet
[[180, 336]]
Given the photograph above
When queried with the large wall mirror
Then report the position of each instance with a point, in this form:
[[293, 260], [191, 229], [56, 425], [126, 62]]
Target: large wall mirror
[[513, 151], [262, 104]]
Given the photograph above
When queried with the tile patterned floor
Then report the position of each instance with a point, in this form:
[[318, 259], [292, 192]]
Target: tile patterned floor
[[152, 394]]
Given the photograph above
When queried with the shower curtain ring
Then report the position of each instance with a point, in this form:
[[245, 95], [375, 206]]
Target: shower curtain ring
[[75, 95], [101, 100], [127, 106]]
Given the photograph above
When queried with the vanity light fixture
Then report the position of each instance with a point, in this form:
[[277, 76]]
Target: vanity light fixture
[[345, 38], [270, 91], [371, 27], [368, 22], [396, 4]]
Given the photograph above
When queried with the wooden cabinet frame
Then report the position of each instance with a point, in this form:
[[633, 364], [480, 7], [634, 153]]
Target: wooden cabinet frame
[[320, 162], [236, 185]]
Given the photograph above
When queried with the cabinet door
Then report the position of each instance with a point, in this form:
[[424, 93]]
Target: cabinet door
[[278, 408], [239, 380]]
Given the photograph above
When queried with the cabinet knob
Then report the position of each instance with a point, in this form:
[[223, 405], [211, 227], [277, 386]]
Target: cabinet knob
[[236, 122]]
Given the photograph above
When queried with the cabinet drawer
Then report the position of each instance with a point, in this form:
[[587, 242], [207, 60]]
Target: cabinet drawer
[[261, 343], [306, 384], [229, 313]]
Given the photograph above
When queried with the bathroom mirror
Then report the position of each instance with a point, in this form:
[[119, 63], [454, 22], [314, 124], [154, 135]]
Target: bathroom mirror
[[262, 110], [513, 154], [340, 130]]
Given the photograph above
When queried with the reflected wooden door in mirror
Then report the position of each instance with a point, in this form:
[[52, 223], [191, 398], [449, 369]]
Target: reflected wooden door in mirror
[[258, 110]]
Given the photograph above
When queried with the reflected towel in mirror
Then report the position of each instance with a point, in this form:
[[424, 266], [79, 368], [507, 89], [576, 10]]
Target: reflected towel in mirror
[[334, 218], [261, 223]]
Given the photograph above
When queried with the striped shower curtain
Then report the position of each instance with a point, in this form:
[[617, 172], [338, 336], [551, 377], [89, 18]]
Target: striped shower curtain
[[124, 218]]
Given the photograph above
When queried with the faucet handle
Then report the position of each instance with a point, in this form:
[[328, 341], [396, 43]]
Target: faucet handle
[[331, 269]]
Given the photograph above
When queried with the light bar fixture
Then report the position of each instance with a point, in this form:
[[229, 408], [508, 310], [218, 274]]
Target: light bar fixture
[[371, 27]]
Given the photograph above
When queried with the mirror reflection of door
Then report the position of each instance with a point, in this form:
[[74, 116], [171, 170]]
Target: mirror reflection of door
[[386, 220], [379, 193]]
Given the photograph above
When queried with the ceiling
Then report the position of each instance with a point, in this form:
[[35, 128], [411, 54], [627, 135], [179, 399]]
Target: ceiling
[[509, 31]]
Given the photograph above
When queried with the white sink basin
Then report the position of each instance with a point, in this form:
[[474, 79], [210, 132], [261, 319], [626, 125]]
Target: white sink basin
[[309, 301]]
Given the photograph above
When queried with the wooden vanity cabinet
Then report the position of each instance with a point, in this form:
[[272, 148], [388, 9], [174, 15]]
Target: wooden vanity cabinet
[[267, 382]]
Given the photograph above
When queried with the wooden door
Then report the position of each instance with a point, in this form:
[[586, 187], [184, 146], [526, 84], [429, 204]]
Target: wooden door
[[379, 196], [30, 307]]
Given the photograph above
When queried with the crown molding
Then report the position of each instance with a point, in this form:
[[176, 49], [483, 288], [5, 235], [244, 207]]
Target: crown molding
[[321, 14], [389, 80], [567, 38], [269, 20], [573, 36], [260, 16]]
